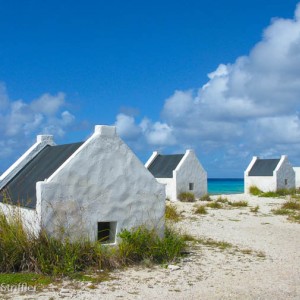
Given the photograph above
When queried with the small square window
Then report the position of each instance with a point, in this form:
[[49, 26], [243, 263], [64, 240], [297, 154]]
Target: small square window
[[106, 232], [191, 186]]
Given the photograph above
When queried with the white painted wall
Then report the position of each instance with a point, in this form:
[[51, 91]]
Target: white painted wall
[[264, 183], [29, 217], [190, 170], [285, 172], [297, 176], [102, 181], [248, 182], [170, 187]]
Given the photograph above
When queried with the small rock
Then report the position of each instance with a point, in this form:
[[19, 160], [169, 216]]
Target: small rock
[[90, 284], [173, 267]]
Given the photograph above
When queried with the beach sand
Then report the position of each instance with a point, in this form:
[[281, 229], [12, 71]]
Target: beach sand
[[263, 262]]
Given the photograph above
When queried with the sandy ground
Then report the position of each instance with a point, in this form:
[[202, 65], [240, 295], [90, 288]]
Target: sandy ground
[[264, 262]]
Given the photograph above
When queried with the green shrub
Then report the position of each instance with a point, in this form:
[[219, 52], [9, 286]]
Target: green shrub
[[285, 192], [222, 200], [269, 194], [238, 204], [279, 193], [15, 244], [253, 190], [20, 251], [186, 197], [214, 205], [291, 209], [172, 213], [141, 243], [214, 244], [205, 197], [201, 210], [295, 218], [291, 205], [281, 211], [254, 209]]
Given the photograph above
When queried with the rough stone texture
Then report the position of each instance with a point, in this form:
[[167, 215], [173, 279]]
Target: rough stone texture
[[284, 171], [103, 181]]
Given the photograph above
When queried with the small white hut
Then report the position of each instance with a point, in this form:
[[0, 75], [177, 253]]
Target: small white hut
[[92, 189], [269, 174], [179, 172], [297, 174]]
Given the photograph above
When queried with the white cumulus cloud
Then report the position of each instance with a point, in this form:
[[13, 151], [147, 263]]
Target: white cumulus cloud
[[21, 121], [248, 107]]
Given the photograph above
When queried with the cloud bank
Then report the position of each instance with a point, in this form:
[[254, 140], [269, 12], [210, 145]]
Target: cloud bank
[[249, 107], [20, 121]]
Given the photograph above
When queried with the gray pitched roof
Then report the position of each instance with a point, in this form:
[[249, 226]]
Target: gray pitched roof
[[163, 165], [264, 167], [21, 189]]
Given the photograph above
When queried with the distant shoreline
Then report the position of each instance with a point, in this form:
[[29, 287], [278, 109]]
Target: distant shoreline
[[219, 186]]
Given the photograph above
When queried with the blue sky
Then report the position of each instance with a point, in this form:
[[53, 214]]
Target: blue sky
[[221, 77]]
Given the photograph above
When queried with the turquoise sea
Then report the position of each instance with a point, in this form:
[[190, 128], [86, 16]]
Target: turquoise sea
[[225, 186]]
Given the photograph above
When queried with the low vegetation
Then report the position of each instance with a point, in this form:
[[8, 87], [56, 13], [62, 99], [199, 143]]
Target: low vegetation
[[21, 251], [254, 209], [222, 245], [172, 213], [293, 205], [214, 244], [186, 197], [255, 191], [25, 278], [205, 197], [279, 193], [222, 200], [214, 204], [291, 209], [201, 210], [238, 204]]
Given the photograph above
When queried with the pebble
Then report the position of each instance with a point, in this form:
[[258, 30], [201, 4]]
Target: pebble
[[173, 267]]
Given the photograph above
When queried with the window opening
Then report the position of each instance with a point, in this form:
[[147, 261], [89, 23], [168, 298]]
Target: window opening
[[106, 232]]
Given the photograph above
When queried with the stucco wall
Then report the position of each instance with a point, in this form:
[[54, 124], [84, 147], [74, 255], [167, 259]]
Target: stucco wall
[[188, 171], [103, 181], [285, 172], [30, 218], [170, 187], [297, 176], [264, 183]]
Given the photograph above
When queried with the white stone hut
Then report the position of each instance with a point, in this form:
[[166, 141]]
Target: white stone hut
[[297, 176], [92, 189], [269, 174], [179, 172]]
